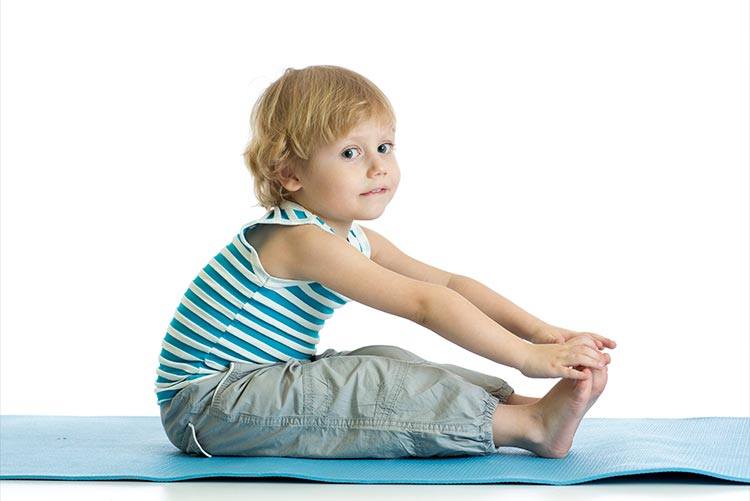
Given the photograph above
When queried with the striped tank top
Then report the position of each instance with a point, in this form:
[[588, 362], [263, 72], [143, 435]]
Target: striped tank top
[[234, 311]]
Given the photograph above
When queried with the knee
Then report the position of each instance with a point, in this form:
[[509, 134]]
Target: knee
[[387, 351]]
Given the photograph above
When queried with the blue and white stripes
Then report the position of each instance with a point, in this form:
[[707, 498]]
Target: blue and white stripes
[[234, 311]]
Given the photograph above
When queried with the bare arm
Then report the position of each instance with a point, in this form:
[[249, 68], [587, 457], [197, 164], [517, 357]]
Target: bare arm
[[325, 258], [495, 306], [492, 304], [512, 317]]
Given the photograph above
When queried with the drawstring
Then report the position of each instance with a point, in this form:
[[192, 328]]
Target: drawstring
[[195, 439]]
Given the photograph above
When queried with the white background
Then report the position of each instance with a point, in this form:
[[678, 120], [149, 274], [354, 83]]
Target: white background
[[587, 159]]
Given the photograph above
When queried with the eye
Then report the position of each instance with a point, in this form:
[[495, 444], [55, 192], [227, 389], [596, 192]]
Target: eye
[[350, 153], [385, 148]]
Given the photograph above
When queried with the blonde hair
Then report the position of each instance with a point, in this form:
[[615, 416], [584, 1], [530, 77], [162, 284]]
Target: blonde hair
[[300, 111]]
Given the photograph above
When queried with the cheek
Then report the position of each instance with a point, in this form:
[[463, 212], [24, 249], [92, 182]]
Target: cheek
[[396, 175], [338, 187]]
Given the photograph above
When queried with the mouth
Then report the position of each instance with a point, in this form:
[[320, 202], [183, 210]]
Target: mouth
[[377, 191]]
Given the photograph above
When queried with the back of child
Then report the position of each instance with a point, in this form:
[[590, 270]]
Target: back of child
[[239, 373]]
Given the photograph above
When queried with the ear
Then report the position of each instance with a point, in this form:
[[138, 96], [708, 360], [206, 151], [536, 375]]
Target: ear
[[288, 177]]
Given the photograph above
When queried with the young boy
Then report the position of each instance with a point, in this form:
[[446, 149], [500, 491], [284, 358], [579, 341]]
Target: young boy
[[239, 373]]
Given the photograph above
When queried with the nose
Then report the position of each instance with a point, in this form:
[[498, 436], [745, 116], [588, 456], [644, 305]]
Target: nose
[[377, 168]]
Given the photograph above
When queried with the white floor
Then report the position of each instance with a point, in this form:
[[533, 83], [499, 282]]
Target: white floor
[[641, 490]]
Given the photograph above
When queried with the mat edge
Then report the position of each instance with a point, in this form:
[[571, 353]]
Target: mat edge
[[311, 478]]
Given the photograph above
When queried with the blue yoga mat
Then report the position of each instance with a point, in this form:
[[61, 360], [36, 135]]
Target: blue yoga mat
[[135, 448]]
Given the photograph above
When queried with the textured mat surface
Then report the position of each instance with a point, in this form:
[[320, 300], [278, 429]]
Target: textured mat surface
[[135, 448]]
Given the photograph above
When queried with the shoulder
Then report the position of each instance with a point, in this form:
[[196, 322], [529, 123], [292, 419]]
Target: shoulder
[[286, 251], [309, 253], [379, 245], [386, 254]]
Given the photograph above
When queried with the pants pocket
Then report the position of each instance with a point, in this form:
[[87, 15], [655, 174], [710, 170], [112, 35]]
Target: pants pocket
[[264, 391]]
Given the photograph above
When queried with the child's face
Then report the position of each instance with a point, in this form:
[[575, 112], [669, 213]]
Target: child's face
[[353, 178]]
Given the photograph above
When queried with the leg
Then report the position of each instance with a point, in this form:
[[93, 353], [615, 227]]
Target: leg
[[491, 384], [547, 426], [343, 406], [517, 399]]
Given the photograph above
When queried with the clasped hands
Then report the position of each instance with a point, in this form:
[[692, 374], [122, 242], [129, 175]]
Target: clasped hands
[[557, 352]]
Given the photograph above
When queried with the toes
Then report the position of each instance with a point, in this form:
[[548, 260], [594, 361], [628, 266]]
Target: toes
[[599, 380], [584, 386]]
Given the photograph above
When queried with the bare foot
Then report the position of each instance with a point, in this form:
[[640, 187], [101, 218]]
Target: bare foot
[[599, 382], [558, 415], [547, 427]]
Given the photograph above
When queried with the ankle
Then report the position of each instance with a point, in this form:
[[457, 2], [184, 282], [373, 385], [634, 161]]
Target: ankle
[[518, 426], [525, 427]]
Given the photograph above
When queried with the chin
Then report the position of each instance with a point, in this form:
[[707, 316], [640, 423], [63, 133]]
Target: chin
[[369, 215]]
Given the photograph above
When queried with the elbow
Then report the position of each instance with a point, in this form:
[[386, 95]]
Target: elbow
[[419, 313], [429, 303]]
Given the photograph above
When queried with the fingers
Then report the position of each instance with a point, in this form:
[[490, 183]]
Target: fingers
[[593, 344], [576, 359], [606, 342], [601, 341], [589, 358], [579, 373], [583, 340], [584, 354]]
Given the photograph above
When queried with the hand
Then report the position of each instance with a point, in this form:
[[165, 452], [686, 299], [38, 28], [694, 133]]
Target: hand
[[551, 334], [567, 359]]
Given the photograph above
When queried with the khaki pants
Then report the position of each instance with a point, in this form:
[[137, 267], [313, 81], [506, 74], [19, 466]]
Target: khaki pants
[[374, 402]]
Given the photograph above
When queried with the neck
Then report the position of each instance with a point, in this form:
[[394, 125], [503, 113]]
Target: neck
[[340, 228]]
